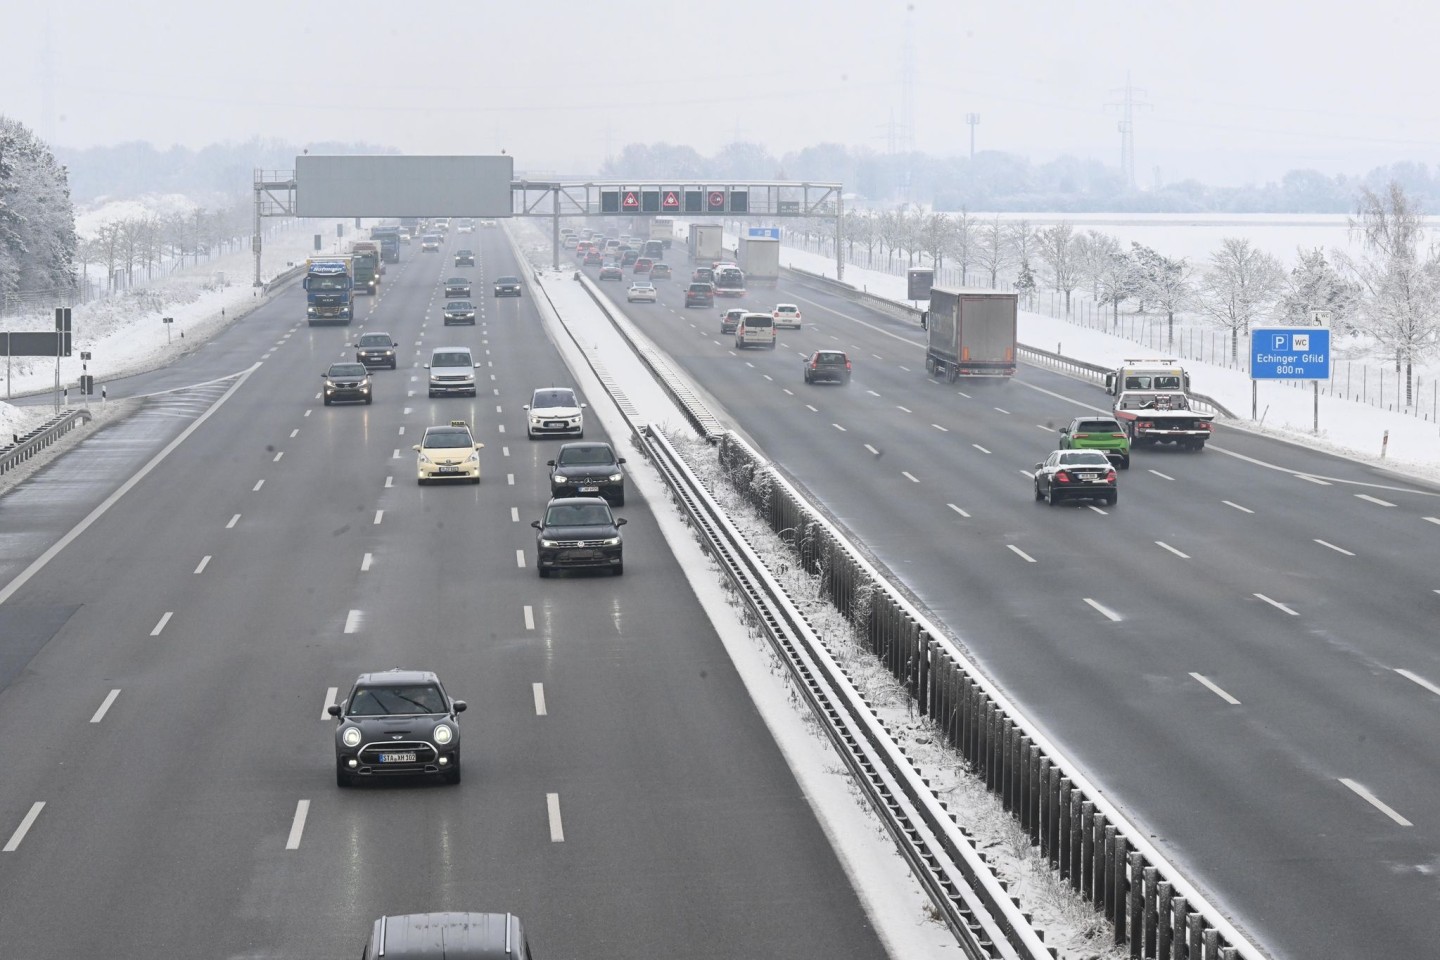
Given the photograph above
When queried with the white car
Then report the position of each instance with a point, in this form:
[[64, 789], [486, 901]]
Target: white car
[[554, 412], [641, 290], [786, 315], [448, 453]]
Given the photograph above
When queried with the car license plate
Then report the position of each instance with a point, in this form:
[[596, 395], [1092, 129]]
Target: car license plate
[[397, 757], [590, 489], [1089, 476], [449, 469]]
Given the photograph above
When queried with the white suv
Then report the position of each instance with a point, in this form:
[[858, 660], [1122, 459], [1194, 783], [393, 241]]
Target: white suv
[[554, 412], [755, 330], [452, 370]]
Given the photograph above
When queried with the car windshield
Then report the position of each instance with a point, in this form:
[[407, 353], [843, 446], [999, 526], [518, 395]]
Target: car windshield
[[453, 359], [458, 282], [553, 398], [577, 515], [507, 280], [375, 340], [459, 305], [402, 699], [787, 308], [574, 456], [1080, 458], [446, 438], [347, 370], [830, 357]]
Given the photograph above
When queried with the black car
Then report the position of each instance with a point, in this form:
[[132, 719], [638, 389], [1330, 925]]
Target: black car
[[612, 271], [730, 319], [579, 532], [700, 295], [823, 365], [457, 288], [588, 468], [459, 311], [1076, 475], [347, 381], [376, 350], [660, 271], [397, 722], [507, 286], [464, 258]]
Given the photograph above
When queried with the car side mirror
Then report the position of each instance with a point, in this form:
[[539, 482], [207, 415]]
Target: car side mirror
[[1038, 466], [458, 705], [324, 374], [620, 460], [1064, 430], [524, 406], [621, 521], [584, 405], [535, 524], [479, 446], [427, 366], [415, 447], [549, 463], [477, 366], [334, 709]]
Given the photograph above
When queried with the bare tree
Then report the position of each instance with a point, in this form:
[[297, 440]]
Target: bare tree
[[861, 228], [107, 249], [1056, 249], [1020, 237], [992, 249], [891, 227], [1167, 283], [1118, 279], [937, 233], [962, 244], [1241, 286], [1315, 284]]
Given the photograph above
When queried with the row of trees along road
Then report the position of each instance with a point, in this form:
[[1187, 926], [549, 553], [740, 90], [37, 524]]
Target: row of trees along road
[[37, 219], [133, 249], [1389, 290]]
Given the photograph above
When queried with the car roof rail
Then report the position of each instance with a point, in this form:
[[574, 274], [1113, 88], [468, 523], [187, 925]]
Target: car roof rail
[[380, 950]]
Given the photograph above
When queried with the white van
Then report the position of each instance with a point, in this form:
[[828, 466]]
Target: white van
[[452, 370], [755, 330]]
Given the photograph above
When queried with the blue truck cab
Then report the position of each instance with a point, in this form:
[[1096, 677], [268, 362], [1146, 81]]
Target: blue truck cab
[[329, 288]]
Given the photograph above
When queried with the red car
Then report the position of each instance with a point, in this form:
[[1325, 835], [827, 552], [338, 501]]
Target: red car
[[643, 265]]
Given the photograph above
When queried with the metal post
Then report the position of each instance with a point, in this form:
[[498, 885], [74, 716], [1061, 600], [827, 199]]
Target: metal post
[[1316, 385], [1254, 399], [839, 235], [555, 224], [255, 242]]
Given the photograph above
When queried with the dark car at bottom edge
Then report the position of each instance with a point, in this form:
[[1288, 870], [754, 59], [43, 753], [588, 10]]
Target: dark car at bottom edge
[[396, 723]]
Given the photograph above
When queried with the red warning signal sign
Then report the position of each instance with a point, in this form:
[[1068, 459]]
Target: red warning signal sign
[[671, 201], [631, 201]]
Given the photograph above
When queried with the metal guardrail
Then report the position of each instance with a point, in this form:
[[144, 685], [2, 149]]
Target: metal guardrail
[[24, 447]]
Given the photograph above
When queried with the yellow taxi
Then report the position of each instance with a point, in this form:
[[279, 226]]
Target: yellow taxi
[[448, 453]]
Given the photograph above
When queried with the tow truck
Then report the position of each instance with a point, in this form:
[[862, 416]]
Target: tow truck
[[1152, 416]]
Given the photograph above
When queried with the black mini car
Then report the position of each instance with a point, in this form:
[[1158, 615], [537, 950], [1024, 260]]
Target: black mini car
[[588, 468], [394, 723], [579, 532], [376, 350]]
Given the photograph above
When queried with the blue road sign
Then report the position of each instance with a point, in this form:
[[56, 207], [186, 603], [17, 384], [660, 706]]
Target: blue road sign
[[1290, 353], [765, 232]]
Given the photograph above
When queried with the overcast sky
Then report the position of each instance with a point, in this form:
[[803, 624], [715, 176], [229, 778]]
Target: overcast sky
[[1237, 90]]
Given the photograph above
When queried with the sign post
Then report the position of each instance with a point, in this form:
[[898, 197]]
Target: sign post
[[1291, 353], [167, 321]]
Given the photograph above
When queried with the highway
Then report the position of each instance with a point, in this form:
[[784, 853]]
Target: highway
[[1242, 652], [169, 784]]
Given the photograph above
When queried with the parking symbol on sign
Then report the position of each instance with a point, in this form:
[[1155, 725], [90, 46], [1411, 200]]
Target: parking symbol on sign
[[1279, 340]]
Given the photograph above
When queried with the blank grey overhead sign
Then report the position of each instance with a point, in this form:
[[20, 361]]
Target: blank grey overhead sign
[[403, 186]]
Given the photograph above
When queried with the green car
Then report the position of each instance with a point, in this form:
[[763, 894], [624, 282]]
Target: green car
[[1098, 433]]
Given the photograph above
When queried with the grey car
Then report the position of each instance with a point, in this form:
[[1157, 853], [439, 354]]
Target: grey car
[[588, 468], [457, 288], [459, 311], [397, 723], [579, 532], [347, 381], [507, 286], [376, 350]]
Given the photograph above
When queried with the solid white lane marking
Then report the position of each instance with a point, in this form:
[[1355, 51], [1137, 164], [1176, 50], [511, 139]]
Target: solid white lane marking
[[539, 690], [1021, 553], [838, 427], [161, 625], [1106, 611], [957, 510], [233, 520], [378, 515], [15, 838], [940, 428], [389, 482], [105, 705], [352, 621], [1277, 605], [330, 694], [510, 479], [1314, 480], [520, 559], [1416, 678], [1165, 546], [1002, 410], [204, 562], [297, 826], [1215, 689], [294, 432], [1374, 500], [1162, 476], [258, 484], [529, 617], [909, 476], [1375, 802], [278, 455], [980, 448], [365, 562], [1237, 506], [872, 450], [811, 409], [903, 409], [552, 806], [1326, 543], [514, 514]]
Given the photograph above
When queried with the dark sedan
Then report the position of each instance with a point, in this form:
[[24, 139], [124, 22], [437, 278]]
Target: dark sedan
[[464, 258], [579, 532], [700, 295], [459, 311], [347, 381], [397, 722], [588, 468], [507, 286], [457, 288], [832, 365], [376, 350], [1076, 475]]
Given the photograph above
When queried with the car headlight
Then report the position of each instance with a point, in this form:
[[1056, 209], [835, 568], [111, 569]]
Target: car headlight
[[473, 458], [365, 385], [424, 459], [549, 543], [559, 478], [389, 353], [351, 737], [443, 733], [612, 542], [616, 477], [329, 384]]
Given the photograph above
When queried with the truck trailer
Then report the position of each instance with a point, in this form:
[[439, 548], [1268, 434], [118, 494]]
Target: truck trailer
[[389, 240], [706, 242], [759, 257], [972, 333], [366, 266]]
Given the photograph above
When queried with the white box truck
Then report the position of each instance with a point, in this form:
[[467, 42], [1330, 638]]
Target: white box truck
[[760, 259], [706, 242], [972, 333]]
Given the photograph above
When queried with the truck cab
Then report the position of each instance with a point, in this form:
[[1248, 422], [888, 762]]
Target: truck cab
[[1148, 374]]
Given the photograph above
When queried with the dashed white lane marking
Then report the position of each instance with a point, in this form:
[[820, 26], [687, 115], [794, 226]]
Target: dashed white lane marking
[[1165, 546], [105, 705], [1002, 410], [1326, 543], [1021, 553], [498, 409], [872, 450], [905, 368], [502, 427], [514, 514], [964, 394], [557, 829], [1315, 480], [294, 433], [838, 427], [308, 412], [330, 694], [788, 391], [749, 364], [529, 617], [1098, 510], [389, 482], [1237, 506], [940, 428], [1027, 473], [980, 448], [395, 455], [401, 433], [811, 409], [504, 451], [909, 476], [520, 559], [278, 455], [365, 562], [379, 514], [768, 377], [1375, 802], [510, 479], [539, 690], [352, 621], [1375, 500], [1435, 520], [1277, 604], [872, 393], [957, 510], [161, 625], [1162, 476], [297, 825], [407, 410], [1416, 678], [903, 409], [1104, 610], [204, 562], [1041, 426], [15, 838], [233, 520], [1215, 689], [258, 484]]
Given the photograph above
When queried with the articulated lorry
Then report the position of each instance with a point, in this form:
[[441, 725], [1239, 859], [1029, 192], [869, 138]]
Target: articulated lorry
[[329, 285], [706, 242], [366, 266], [389, 240], [759, 257], [972, 333]]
